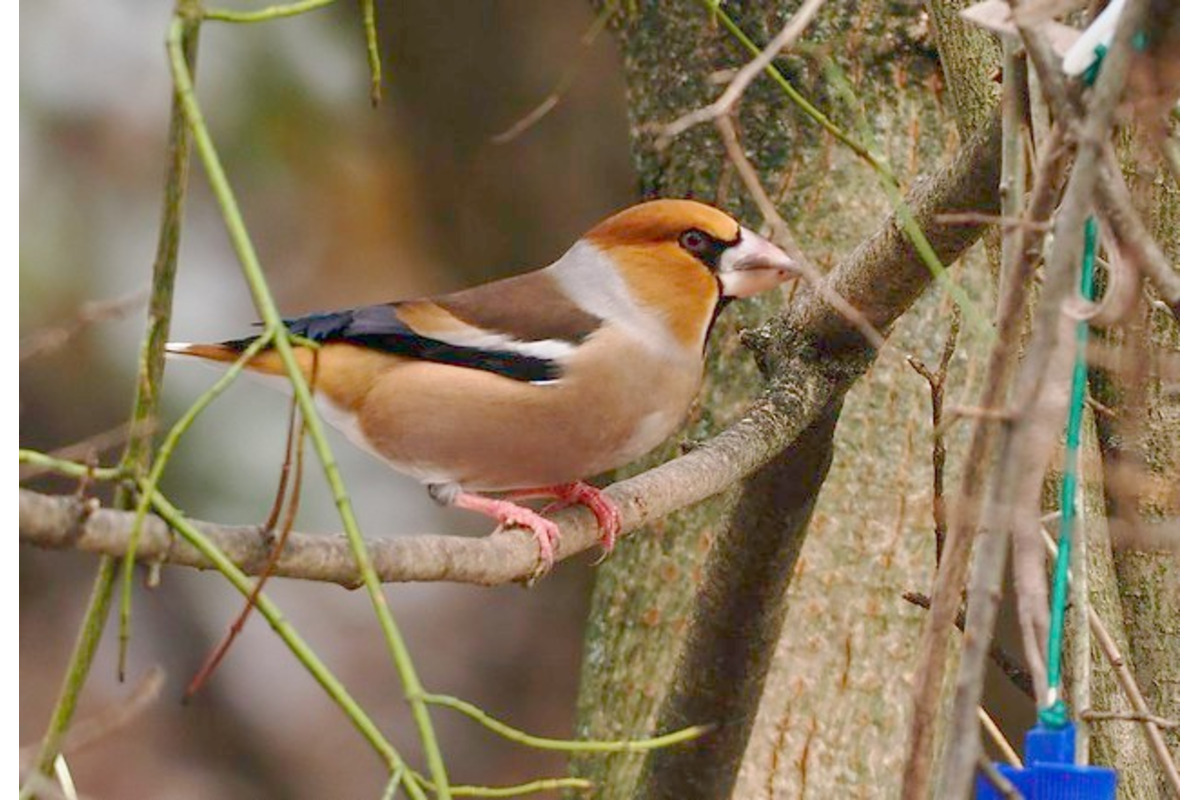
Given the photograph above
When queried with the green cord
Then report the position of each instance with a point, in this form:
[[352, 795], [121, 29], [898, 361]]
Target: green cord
[[1055, 714]]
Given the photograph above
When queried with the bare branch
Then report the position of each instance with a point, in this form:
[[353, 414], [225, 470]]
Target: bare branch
[[48, 340], [783, 232], [1008, 664], [1026, 446], [951, 577], [737, 87], [1123, 716], [1114, 202]]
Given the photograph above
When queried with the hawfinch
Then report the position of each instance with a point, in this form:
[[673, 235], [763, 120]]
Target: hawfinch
[[530, 384]]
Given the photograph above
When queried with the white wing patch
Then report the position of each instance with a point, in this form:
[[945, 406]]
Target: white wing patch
[[479, 339]]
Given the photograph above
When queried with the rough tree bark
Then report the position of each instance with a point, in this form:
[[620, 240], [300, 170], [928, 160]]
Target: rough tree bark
[[832, 720], [1139, 447]]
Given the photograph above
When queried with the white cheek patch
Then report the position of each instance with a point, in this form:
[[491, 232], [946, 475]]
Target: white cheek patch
[[589, 278]]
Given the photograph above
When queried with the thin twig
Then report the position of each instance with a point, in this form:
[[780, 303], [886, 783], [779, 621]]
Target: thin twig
[[997, 736], [1008, 664], [937, 391], [529, 787], [723, 105], [783, 232], [997, 779], [993, 219], [102, 724], [1128, 716], [281, 11], [555, 97], [374, 65], [951, 578], [47, 340], [295, 445], [94, 445], [565, 745], [1115, 204], [1027, 445]]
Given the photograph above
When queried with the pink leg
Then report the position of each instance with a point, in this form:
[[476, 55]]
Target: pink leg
[[508, 513], [608, 516]]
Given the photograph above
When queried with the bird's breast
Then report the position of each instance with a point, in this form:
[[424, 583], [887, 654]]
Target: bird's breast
[[490, 433]]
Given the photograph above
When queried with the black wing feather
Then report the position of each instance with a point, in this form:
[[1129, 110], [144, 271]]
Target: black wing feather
[[378, 328]]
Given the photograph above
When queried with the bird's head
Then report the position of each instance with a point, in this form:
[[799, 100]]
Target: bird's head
[[685, 244]]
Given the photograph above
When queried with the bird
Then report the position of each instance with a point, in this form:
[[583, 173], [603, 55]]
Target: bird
[[527, 386]]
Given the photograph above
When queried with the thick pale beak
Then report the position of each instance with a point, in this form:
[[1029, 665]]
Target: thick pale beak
[[754, 265]]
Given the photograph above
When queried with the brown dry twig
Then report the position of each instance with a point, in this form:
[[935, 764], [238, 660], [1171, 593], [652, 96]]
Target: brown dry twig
[[107, 721], [48, 340], [937, 392], [556, 95], [951, 577], [1092, 715], [724, 104], [783, 232], [993, 219], [288, 489], [1012, 669]]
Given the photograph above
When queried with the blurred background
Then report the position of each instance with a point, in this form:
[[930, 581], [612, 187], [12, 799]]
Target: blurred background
[[347, 205]]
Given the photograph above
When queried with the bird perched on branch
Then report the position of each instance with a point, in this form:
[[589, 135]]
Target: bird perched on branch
[[531, 384]]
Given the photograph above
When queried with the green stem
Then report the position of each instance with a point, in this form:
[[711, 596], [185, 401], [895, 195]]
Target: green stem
[[155, 475], [368, 15], [145, 407], [265, 14], [265, 304], [564, 745], [291, 638], [72, 469], [540, 785], [77, 669]]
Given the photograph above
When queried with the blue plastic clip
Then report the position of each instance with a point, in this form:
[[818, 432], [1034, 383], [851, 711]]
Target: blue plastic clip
[[1050, 771]]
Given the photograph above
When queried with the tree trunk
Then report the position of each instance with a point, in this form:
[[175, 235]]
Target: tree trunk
[[833, 716], [1139, 445]]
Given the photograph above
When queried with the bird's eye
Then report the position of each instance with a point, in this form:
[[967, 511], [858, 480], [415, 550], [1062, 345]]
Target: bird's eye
[[695, 242]]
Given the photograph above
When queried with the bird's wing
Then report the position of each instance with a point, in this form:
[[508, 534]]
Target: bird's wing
[[523, 328]]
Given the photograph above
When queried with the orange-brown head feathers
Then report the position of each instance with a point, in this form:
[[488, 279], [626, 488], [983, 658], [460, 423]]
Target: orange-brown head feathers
[[680, 257], [662, 222]]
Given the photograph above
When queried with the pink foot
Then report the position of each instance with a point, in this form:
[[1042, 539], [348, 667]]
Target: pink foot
[[607, 514], [508, 513]]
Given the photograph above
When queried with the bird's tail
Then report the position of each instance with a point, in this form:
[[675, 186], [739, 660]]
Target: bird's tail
[[266, 362]]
